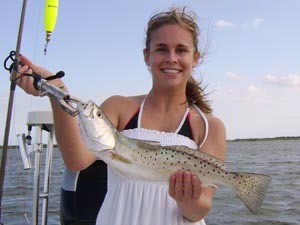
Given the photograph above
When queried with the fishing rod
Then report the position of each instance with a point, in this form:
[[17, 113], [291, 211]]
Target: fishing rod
[[13, 76], [51, 8]]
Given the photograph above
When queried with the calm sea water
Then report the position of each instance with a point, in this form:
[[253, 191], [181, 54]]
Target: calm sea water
[[280, 159]]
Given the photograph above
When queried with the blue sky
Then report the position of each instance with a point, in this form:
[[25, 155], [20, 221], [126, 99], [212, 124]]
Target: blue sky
[[252, 68]]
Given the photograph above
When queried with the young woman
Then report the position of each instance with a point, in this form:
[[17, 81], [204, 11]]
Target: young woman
[[174, 112]]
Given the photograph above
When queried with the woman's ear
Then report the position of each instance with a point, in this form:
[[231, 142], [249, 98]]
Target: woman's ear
[[196, 59], [146, 56]]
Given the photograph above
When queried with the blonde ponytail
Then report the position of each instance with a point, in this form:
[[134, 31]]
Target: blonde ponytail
[[196, 95]]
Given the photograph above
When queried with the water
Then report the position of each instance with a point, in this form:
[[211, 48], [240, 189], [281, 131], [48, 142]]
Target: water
[[279, 158]]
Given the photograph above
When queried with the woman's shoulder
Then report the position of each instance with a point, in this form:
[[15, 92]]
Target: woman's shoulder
[[206, 122], [215, 123], [120, 109], [216, 139], [119, 100]]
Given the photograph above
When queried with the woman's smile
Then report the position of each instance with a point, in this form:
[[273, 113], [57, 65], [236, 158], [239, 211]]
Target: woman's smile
[[172, 72]]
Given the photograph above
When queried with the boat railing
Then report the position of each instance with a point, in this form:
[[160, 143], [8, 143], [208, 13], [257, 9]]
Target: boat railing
[[40, 121]]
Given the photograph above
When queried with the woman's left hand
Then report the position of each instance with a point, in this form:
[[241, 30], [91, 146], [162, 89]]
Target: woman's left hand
[[184, 187]]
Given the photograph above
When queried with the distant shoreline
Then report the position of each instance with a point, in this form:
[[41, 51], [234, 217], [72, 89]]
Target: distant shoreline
[[229, 140], [266, 139], [16, 146]]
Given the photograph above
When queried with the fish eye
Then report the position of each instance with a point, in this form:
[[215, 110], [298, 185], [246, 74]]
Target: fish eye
[[99, 114]]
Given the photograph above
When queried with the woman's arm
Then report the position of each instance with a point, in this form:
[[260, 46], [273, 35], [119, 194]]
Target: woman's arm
[[193, 200], [75, 154]]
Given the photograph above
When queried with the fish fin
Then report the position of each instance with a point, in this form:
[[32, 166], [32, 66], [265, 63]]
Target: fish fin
[[251, 188], [157, 143], [141, 143], [210, 185], [116, 156], [148, 145], [199, 154]]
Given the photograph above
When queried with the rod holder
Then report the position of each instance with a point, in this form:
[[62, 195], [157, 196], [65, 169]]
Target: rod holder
[[24, 151]]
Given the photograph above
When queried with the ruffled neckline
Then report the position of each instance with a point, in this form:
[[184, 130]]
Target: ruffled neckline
[[165, 138]]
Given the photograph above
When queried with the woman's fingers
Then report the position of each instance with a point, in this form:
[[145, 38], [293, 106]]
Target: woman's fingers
[[183, 185], [27, 82], [36, 69], [187, 185], [197, 187]]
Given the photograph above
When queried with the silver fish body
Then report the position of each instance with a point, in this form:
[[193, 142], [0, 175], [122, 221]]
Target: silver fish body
[[136, 159]]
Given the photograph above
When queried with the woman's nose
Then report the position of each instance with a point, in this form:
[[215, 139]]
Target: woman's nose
[[172, 57]]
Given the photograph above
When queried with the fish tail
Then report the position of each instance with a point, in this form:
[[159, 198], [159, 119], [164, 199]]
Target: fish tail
[[251, 188]]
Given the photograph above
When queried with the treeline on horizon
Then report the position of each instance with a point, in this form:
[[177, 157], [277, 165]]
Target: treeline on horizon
[[230, 140], [266, 139]]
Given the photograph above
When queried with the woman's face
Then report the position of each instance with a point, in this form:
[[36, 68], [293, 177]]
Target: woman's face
[[171, 56]]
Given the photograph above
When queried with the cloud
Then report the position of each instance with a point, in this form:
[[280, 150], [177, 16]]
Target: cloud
[[257, 22], [291, 80], [233, 76], [224, 24], [253, 89], [260, 94], [251, 95]]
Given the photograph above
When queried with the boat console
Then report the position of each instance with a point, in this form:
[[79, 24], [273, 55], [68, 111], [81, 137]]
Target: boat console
[[82, 192]]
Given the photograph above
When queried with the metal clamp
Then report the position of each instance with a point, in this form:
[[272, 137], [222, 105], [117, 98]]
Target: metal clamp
[[68, 103]]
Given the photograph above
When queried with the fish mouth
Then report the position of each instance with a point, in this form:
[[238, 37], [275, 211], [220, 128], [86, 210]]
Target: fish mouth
[[87, 109]]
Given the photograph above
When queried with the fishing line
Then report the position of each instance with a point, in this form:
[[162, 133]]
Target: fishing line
[[28, 193], [35, 46]]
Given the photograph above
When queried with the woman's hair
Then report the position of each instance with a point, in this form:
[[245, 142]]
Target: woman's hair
[[195, 94]]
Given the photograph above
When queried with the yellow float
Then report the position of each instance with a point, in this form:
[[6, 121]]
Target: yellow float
[[50, 15]]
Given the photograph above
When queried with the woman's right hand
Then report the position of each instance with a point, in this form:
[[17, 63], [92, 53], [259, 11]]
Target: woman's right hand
[[26, 82]]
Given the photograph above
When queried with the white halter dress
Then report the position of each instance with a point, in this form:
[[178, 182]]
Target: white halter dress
[[138, 202]]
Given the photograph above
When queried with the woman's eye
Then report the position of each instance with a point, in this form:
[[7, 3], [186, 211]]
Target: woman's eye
[[181, 50], [161, 49]]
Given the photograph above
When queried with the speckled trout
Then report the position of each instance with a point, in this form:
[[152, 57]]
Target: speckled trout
[[138, 159]]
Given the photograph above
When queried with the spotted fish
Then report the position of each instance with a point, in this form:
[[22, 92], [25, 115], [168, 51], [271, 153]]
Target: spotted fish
[[137, 159]]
